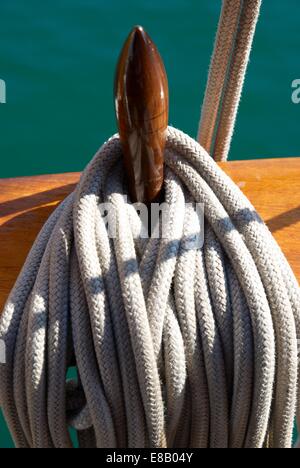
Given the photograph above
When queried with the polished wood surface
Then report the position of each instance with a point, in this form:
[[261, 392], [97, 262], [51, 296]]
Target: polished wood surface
[[273, 186], [142, 104]]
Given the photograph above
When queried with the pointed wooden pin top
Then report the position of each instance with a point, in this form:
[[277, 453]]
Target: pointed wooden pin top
[[142, 107]]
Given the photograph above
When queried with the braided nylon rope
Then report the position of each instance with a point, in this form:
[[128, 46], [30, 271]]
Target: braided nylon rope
[[174, 346], [227, 73]]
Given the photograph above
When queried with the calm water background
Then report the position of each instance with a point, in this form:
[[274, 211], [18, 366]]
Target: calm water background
[[58, 60]]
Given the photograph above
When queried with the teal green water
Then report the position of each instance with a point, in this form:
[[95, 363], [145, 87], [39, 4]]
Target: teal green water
[[58, 59]]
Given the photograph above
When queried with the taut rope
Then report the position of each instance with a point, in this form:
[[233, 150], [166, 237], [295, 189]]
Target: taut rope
[[174, 346], [227, 74]]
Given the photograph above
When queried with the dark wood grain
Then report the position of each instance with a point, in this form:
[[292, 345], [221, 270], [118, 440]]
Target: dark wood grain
[[142, 102]]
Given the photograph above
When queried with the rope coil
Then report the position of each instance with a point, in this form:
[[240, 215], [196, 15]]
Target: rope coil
[[174, 346]]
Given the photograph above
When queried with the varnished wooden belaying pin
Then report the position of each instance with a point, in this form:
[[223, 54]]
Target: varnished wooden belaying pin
[[142, 108]]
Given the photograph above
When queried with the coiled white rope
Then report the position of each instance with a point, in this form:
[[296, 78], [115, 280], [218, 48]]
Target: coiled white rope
[[174, 346]]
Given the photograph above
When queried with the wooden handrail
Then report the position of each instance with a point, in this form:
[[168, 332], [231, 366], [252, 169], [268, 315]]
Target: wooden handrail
[[272, 185]]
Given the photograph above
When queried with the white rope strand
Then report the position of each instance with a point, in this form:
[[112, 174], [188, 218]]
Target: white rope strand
[[222, 54], [227, 74], [236, 78]]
